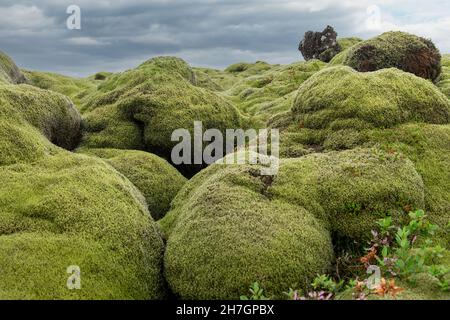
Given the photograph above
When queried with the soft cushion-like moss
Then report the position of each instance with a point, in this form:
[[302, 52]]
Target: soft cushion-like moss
[[77, 89], [397, 49], [9, 72], [273, 91], [339, 108], [228, 234], [58, 209], [229, 224], [158, 181], [25, 112], [140, 108], [341, 98], [75, 210], [444, 80]]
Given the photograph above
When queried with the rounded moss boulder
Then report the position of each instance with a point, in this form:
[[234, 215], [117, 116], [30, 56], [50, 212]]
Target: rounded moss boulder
[[342, 98], [400, 50], [158, 181], [140, 108], [31, 119], [73, 212], [350, 190], [230, 226], [9, 72], [228, 234]]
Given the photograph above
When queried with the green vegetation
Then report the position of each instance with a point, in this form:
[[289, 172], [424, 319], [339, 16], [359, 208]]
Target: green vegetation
[[68, 210], [28, 114], [341, 194], [226, 231], [362, 153], [396, 49], [272, 91], [158, 181], [444, 80], [76, 89], [401, 263], [379, 99], [60, 209], [140, 108], [9, 72]]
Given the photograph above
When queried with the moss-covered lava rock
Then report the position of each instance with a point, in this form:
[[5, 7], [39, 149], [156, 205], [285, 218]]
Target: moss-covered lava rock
[[227, 234], [59, 209], [9, 72], [27, 114], [397, 49], [341, 98], [74, 210], [158, 181], [140, 108], [230, 226]]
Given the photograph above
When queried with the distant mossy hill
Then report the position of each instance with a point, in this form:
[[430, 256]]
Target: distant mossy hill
[[77, 89], [9, 72]]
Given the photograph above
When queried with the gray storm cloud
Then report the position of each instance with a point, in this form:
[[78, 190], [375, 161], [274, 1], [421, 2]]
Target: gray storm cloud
[[117, 35]]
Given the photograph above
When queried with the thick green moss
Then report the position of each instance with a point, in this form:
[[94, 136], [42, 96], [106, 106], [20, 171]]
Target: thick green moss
[[397, 49], [9, 72], [273, 91], [229, 224], [26, 113], [341, 98], [228, 234], [75, 210], [58, 209], [248, 68], [428, 146], [140, 108], [158, 181], [388, 108], [444, 80], [77, 89], [346, 44]]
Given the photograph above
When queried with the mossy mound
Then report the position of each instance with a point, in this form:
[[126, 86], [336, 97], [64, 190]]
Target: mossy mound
[[248, 69], [228, 234], [390, 109], [230, 226], [444, 80], [75, 210], [272, 91], [342, 98], [58, 209], [349, 42], [9, 72], [158, 181], [399, 50], [428, 146], [77, 89], [27, 113], [140, 108]]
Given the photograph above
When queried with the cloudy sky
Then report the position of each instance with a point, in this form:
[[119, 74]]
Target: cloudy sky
[[120, 34]]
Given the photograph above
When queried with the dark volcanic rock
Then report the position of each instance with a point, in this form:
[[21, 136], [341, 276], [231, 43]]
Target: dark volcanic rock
[[320, 45]]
